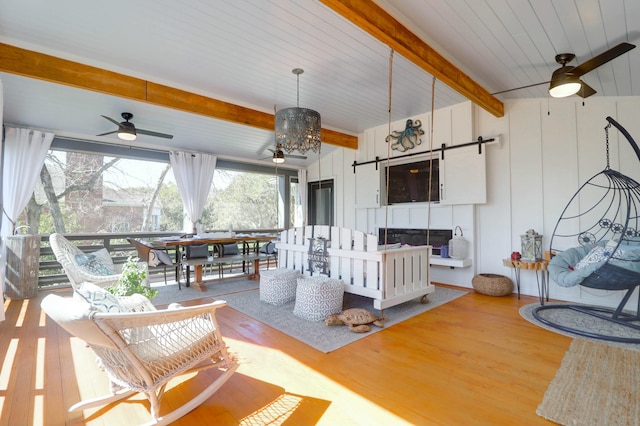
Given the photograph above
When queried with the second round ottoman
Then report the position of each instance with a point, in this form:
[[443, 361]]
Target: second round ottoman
[[317, 297]]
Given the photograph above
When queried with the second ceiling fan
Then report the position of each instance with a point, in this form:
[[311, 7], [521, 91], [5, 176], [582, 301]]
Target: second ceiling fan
[[565, 81], [127, 131]]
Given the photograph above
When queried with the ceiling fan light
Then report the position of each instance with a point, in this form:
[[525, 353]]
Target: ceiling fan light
[[563, 85], [127, 132], [127, 136], [278, 157]]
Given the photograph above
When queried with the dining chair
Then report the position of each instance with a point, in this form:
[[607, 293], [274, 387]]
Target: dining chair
[[155, 256]]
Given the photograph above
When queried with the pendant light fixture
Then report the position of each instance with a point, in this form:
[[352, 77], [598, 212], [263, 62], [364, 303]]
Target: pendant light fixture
[[298, 129]]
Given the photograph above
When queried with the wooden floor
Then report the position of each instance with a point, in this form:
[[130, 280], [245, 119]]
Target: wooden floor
[[473, 361]]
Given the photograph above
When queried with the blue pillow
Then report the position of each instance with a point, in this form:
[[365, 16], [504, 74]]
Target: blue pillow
[[97, 263], [99, 298]]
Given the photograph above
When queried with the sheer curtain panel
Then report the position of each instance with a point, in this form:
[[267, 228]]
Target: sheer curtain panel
[[194, 174], [24, 154], [23, 158]]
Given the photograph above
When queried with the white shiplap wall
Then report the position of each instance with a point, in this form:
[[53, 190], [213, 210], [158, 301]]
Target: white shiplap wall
[[550, 148], [547, 150]]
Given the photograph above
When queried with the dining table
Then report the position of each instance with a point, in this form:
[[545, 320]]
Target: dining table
[[250, 246]]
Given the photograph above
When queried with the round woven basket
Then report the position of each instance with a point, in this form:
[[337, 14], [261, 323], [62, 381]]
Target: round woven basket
[[492, 284]]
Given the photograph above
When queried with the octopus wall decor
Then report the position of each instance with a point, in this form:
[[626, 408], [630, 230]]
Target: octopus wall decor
[[408, 138]]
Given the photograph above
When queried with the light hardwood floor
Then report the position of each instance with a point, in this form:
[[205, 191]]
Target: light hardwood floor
[[473, 361]]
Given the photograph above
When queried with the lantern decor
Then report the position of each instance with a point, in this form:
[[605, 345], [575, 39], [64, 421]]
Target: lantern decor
[[458, 245], [531, 243]]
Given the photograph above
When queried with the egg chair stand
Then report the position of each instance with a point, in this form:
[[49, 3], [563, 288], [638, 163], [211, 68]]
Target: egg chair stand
[[599, 247]]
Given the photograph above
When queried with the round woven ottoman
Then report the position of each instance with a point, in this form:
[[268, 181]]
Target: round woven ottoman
[[278, 286], [492, 284], [317, 297]]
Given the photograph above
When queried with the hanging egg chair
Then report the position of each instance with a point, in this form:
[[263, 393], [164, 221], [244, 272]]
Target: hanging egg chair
[[596, 244]]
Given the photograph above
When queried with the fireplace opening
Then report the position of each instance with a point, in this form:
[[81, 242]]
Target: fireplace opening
[[417, 237]]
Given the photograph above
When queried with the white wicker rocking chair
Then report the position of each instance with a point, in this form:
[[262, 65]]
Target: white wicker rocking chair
[[143, 351], [65, 253]]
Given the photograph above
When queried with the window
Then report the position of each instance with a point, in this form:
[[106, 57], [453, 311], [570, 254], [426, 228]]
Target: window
[[96, 191]]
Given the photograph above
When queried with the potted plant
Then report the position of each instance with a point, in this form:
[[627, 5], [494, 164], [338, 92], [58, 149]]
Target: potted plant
[[133, 280]]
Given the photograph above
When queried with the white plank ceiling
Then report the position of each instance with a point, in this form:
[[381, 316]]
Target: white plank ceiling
[[243, 51]]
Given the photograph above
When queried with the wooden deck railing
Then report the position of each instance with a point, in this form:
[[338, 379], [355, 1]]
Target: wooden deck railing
[[50, 272]]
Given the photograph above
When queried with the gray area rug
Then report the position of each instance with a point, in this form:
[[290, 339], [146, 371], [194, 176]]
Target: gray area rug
[[243, 295], [596, 385], [170, 293], [580, 321], [322, 337]]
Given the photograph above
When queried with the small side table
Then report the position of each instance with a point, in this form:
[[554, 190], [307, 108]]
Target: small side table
[[535, 265]]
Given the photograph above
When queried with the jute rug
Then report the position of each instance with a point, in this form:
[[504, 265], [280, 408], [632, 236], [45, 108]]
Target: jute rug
[[597, 385]]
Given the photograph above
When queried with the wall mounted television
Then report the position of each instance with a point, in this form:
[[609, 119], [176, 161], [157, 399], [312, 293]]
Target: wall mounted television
[[409, 182]]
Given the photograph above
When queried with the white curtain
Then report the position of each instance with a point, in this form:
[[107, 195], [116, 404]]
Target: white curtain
[[301, 201], [24, 154], [194, 174]]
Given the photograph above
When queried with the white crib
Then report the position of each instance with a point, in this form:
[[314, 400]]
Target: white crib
[[388, 276]]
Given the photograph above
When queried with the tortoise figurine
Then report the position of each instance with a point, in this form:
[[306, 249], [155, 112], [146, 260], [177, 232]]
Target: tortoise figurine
[[357, 319]]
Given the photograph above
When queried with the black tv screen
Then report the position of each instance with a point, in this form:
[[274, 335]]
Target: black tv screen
[[409, 183]]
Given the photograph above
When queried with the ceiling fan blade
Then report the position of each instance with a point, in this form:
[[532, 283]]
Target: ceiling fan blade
[[601, 59], [108, 133], [522, 87], [156, 134], [586, 90], [300, 157], [111, 120]]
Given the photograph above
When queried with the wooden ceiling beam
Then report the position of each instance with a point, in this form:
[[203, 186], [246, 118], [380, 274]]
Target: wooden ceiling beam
[[36, 65], [376, 21]]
